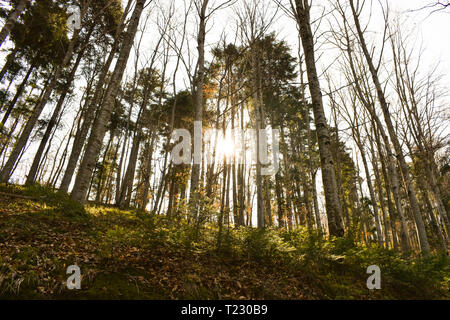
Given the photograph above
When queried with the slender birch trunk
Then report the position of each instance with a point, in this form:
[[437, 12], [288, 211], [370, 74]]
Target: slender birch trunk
[[333, 205]]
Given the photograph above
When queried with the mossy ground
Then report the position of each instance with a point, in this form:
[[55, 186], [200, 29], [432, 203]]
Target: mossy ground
[[133, 255]]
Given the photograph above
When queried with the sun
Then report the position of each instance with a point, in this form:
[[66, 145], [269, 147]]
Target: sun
[[226, 147]]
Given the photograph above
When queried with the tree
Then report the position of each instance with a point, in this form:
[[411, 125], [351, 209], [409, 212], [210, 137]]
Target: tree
[[100, 124], [92, 104], [301, 10], [96, 16], [394, 139], [8, 169]]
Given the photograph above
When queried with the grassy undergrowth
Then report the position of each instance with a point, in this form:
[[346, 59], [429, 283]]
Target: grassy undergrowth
[[133, 255]]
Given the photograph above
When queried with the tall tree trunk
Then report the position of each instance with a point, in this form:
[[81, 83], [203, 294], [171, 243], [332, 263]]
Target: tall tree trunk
[[333, 205], [198, 102], [101, 122], [258, 117], [241, 173]]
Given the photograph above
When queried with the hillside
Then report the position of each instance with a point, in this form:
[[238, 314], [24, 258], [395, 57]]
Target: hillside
[[134, 255]]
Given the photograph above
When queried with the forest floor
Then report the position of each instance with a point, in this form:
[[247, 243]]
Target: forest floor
[[131, 255]]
